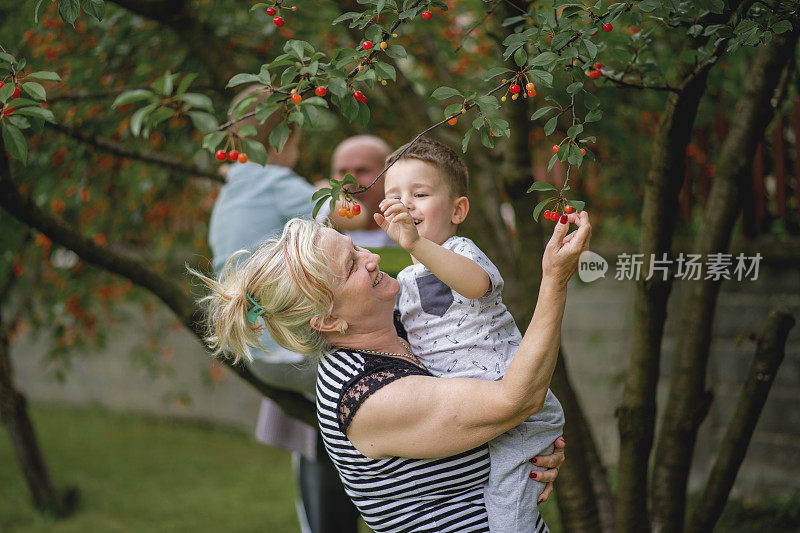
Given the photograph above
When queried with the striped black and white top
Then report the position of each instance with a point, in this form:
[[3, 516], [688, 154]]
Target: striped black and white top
[[395, 494]]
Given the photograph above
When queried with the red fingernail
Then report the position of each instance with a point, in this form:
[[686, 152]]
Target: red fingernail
[[563, 219], [532, 475], [533, 460]]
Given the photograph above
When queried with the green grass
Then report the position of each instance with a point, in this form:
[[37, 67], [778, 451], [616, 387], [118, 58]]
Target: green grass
[[138, 474]]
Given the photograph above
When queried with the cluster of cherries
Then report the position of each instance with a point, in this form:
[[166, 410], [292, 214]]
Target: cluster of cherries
[[596, 72], [515, 90], [6, 110], [232, 155], [349, 210], [273, 12], [555, 215]]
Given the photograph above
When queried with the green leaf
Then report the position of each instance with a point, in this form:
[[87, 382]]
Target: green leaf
[[561, 39], [138, 118], [573, 88], [246, 130], [445, 92], [319, 204], [563, 151], [452, 109], [185, 82], [594, 115], [465, 142], [385, 71], [575, 156], [95, 8], [486, 138], [541, 77], [520, 56], [255, 151], [363, 115], [68, 10], [279, 136], [591, 48], [550, 125], [203, 121], [545, 58], [542, 111], [242, 78], [494, 72], [781, 27], [158, 116], [133, 96], [212, 140], [487, 103], [552, 162], [34, 111], [575, 130], [43, 75], [541, 186], [34, 89], [15, 142], [577, 204], [320, 193], [395, 51], [6, 91], [541, 205], [197, 100]]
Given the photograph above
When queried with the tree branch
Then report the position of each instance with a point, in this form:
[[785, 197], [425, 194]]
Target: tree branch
[[162, 160], [632, 85], [768, 357], [176, 297]]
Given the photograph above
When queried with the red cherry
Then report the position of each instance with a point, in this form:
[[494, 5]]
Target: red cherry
[[358, 95], [221, 155], [568, 209], [598, 65], [243, 158], [529, 87], [427, 15], [363, 99], [547, 214], [596, 73], [593, 34], [233, 155], [342, 212], [356, 209], [350, 213], [367, 45], [555, 148], [453, 121], [320, 91], [278, 21], [514, 88], [271, 11], [583, 152], [564, 219], [16, 93], [296, 98], [607, 27], [532, 93]]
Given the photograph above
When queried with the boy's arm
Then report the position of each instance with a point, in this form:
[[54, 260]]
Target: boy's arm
[[460, 273]]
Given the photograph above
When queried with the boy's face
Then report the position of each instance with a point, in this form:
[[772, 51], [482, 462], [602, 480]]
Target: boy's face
[[417, 184]]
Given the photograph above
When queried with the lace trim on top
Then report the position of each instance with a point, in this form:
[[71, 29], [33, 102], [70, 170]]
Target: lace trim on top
[[378, 372]]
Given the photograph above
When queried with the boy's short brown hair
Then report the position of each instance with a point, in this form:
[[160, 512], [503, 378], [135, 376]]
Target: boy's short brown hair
[[451, 168]]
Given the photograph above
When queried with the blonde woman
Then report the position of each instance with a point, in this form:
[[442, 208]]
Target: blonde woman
[[410, 448]]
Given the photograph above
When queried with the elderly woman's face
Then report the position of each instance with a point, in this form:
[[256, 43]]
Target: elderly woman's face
[[362, 290]]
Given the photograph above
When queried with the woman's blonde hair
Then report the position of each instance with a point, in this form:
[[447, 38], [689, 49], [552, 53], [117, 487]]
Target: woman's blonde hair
[[289, 279]]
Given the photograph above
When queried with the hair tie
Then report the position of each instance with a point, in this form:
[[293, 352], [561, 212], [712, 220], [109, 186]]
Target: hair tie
[[255, 311]]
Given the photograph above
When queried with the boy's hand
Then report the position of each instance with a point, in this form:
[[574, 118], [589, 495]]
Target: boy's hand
[[395, 219]]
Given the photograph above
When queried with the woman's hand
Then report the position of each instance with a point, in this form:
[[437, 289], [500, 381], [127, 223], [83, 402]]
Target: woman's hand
[[552, 463], [560, 258]]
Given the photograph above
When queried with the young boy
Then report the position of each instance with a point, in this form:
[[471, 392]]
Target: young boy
[[451, 307]]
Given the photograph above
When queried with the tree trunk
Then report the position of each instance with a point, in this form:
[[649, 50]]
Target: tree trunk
[[14, 414], [768, 357], [636, 414], [688, 401]]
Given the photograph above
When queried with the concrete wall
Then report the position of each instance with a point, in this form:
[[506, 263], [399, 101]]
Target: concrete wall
[[596, 337]]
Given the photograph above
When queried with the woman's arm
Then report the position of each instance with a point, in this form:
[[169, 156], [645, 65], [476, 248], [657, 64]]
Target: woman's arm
[[419, 416]]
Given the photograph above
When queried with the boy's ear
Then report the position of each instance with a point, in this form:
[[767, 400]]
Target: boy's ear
[[460, 210], [326, 325]]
